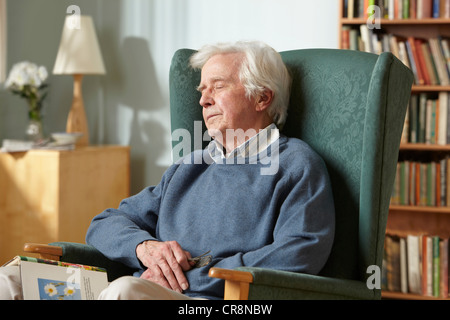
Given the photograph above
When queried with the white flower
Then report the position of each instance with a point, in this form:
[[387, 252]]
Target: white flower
[[69, 291], [50, 289], [26, 73], [43, 74]]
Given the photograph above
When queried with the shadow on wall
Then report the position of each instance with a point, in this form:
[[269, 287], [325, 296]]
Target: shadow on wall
[[139, 96]]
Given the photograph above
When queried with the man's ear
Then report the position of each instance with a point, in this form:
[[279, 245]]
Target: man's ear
[[264, 100]]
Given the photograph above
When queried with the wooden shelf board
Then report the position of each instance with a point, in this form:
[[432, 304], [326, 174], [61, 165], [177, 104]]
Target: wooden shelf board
[[424, 147], [429, 88], [445, 210], [407, 296]]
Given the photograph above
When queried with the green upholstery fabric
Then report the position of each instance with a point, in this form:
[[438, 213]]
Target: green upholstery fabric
[[282, 285], [88, 255], [184, 100], [350, 107]]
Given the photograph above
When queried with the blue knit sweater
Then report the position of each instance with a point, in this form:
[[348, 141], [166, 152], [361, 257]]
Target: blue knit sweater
[[280, 221]]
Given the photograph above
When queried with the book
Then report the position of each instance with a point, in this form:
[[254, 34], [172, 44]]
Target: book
[[392, 251], [446, 51], [424, 9], [436, 9], [436, 267], [44, 279], [443, 283], [443, 118], [413, 44], [443, 182], [366, 38], [429, 64], [413, 62], [438, 57], [345, 37], [403, 267], [413, 260], [427, 266]]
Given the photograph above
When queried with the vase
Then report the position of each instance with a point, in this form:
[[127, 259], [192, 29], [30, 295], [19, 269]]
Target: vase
[[34, 131]]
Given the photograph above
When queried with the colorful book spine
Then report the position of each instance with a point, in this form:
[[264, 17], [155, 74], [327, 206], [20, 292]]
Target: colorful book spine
[[61, 264]]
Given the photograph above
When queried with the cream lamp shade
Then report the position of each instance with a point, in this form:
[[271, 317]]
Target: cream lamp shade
[[78, 54]]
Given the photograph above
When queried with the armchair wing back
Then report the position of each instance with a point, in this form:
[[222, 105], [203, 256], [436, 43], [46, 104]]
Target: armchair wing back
[[350, 107]]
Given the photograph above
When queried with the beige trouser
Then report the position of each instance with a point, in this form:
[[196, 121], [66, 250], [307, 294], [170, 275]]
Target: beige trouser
[[10, 284], [132, 288], [124, 288]]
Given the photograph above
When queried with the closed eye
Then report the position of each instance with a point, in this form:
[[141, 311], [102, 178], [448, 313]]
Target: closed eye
[[217, 85], [200, 88]]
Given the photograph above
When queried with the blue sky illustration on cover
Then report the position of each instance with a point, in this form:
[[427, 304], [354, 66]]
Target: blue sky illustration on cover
[[58, 290]]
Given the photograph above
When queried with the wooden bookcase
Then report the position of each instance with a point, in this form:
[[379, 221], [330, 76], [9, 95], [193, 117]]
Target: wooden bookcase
[[409, 219]]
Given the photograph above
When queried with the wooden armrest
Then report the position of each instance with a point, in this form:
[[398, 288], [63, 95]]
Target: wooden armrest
[[237, 283], [45, 251], [233, 275]]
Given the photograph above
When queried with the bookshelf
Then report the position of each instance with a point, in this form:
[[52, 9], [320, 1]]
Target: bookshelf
[[402, 22]]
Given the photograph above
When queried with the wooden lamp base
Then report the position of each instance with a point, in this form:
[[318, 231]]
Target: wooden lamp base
[[77, 121]]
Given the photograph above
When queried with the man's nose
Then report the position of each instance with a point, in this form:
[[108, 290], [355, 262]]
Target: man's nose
[[207, 99]]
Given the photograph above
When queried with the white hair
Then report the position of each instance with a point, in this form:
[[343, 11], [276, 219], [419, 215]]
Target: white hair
[[262, 68]]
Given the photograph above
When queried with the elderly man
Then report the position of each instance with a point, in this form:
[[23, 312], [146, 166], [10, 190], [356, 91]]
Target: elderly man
[[283, 220], [219, 199]]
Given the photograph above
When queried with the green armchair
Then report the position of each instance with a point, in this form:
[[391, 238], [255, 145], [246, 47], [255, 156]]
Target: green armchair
[[350, 107]]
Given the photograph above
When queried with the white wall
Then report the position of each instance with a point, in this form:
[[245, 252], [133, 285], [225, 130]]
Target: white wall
[[3, 40], [284, 24]]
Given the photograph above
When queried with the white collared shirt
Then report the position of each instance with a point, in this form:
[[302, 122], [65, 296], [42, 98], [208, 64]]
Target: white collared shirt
[[252, 147]]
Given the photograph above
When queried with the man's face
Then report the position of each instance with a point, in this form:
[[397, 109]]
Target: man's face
[[224, 103]]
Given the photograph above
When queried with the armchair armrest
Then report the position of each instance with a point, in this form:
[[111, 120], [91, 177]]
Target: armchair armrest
[[237, 283], [45, 251], [79, 253], [276, 284]]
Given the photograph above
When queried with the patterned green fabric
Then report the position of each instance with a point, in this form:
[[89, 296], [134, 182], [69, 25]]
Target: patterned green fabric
[[327, 110], [282, 285], [184, 98]]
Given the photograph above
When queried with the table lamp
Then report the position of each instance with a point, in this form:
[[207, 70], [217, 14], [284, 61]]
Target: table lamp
[[78, 55]]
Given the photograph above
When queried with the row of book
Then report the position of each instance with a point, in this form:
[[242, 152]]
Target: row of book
[[429, 59], [422, 183], [427, 119], [398, 9], [416, 264]]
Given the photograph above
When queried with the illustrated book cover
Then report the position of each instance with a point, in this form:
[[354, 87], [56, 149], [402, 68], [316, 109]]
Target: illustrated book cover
[[44, 279]]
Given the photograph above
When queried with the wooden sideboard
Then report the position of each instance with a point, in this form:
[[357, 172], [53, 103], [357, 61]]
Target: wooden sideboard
[[49, 195]]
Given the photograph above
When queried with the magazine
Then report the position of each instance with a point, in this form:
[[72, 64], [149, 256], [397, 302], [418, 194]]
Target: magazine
[[44, 279], [11, 145]]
